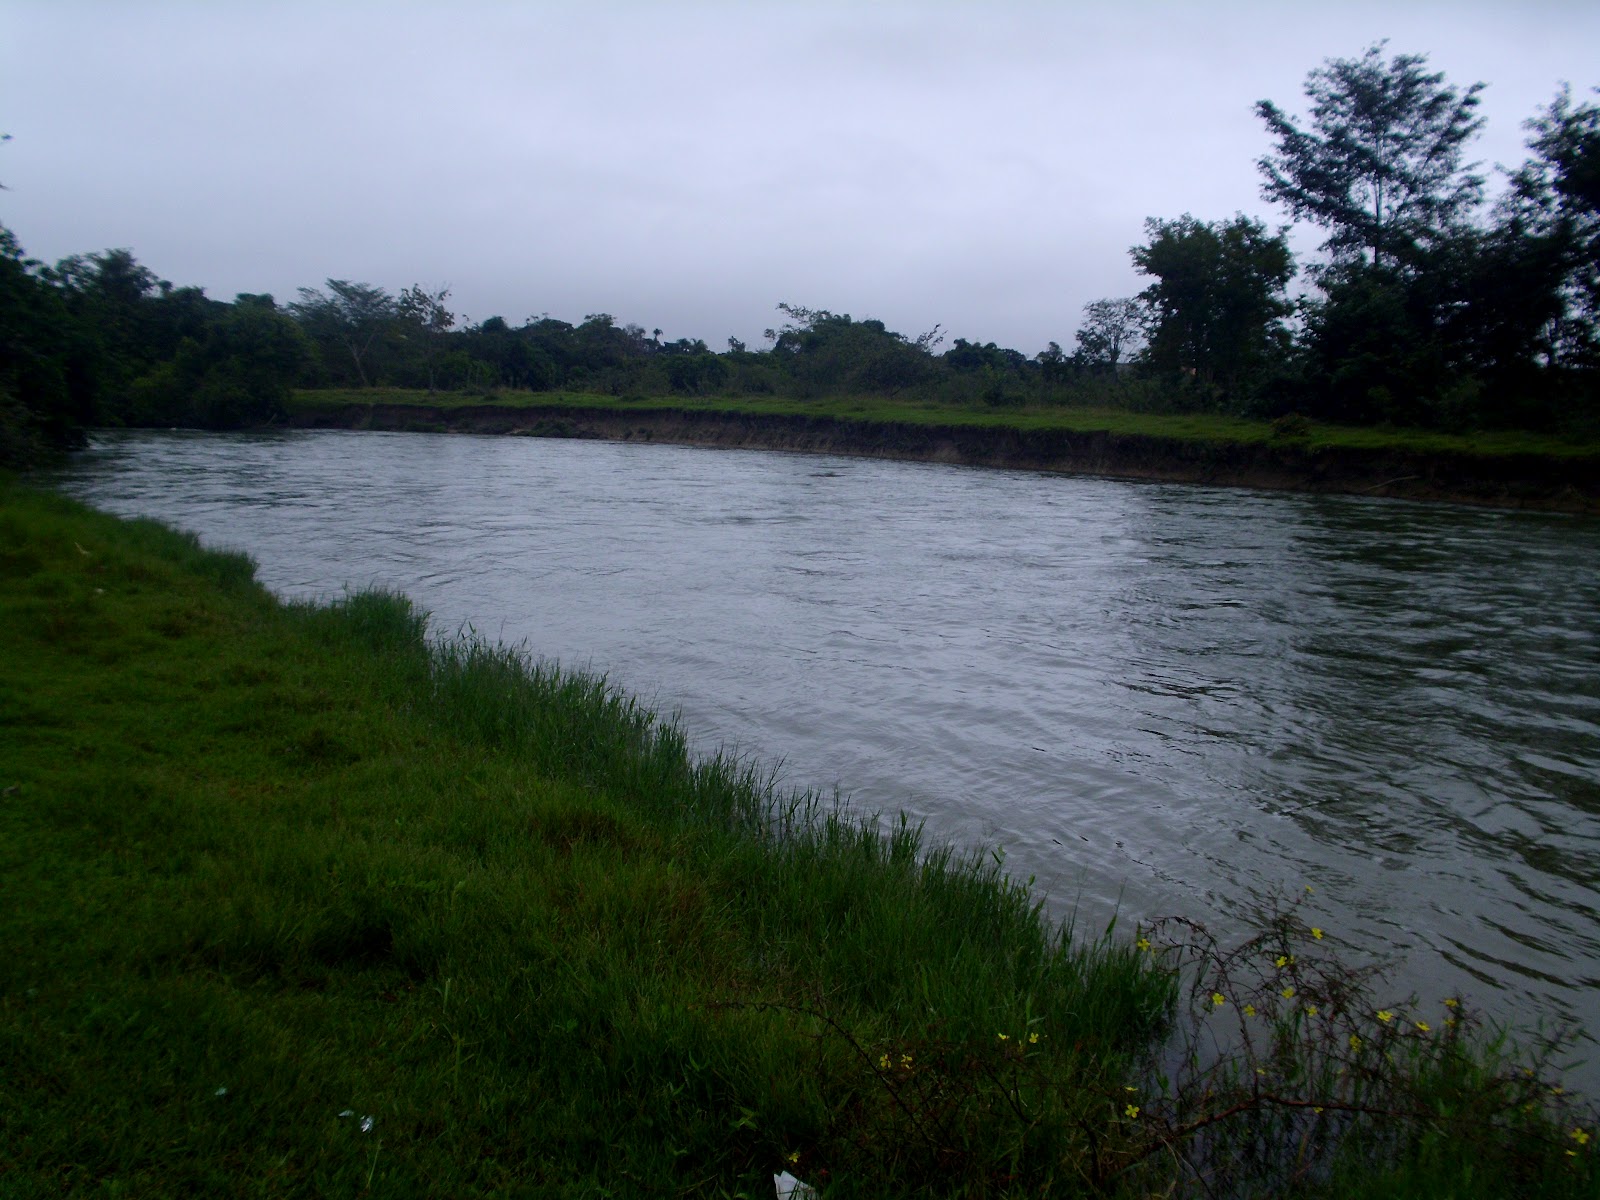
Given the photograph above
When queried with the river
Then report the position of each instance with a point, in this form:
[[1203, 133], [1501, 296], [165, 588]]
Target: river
[[1153, 698]]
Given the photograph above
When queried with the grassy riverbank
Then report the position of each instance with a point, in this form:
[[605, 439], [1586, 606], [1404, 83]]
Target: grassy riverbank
[[297, 905], [1512, 470], [1190, 427]]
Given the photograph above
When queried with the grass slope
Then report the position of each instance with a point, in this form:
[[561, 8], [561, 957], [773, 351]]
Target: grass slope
[[267, 865], [295, 905]]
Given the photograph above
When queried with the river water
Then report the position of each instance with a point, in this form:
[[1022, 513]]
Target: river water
[[1154, 698]]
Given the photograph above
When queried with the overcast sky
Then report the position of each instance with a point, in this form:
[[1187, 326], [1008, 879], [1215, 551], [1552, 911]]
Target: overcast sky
[[983, 166]]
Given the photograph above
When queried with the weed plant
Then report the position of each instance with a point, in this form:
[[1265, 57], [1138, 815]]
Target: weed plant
[[299, 903], [1288, 1076]]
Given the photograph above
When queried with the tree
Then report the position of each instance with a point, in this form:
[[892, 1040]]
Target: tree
[[237, 371], [1110, 327], [1380, 167], [109, 295], [352, 318], [831, 352], [1554, 202], [966, 357], [1217, 305], [40, 410], [256, 354], [424, 312], [691, 367], [602, 349], [1054, 365]]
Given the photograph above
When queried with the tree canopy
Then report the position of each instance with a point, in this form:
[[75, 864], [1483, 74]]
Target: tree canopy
[[1217, 301], [1380, 166], [1110, 330]]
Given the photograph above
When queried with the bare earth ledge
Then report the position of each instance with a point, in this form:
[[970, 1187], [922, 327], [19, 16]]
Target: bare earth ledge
[[1567, 484]]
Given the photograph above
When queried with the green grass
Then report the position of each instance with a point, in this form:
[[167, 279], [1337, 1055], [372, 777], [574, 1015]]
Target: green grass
[[1187, 427], [272, 870], [291, 853]]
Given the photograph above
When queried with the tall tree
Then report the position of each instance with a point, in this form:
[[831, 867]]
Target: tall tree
[[1217, 303], [110, 295], [40, 409], [429, 320], [351, 316], [1110, 329], [1554, 201], [1380, 166]]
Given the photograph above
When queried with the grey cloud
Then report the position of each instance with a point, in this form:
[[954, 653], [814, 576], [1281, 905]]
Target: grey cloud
[[983, 166]]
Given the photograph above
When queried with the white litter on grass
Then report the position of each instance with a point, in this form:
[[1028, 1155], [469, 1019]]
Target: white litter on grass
[[366, 1124], [221, 1091], [349, 1112], [790, 1188]]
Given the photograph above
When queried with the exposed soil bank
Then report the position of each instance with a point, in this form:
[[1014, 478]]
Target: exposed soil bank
[[1510, 481]]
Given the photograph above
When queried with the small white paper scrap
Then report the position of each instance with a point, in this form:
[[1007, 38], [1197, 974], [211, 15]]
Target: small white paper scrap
[[790, 1188]]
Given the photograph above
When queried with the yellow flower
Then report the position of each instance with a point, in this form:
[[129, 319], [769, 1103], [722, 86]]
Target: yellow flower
[[1143, 943], [1309, 889], [1126, 1088], [1423, 1025], [1316, 933], [1355, 1042], [1249, 1010], [1311, 1010], [1283, 961], [1581, 1136], [1288, 993], [1318, 1111], [1449, 1022], [1218, 999], [1385, 1015], [1033, 1039], [1133, 1111], [883, 1062], [1452, 1003], [794, 1157], [1004, 1037], [905, 1062]]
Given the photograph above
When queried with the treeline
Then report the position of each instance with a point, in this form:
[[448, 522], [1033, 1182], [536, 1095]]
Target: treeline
[[99, 340], [1427, 307]]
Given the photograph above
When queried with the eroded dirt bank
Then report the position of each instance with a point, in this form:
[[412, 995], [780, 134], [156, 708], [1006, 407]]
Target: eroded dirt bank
[[1560, 485]]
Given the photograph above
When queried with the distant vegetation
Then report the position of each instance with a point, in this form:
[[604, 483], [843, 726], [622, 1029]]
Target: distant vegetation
[[1426, 308]]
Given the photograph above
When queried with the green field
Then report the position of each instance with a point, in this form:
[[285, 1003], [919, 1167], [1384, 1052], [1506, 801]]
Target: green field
[[299, 904], [1191, 427]]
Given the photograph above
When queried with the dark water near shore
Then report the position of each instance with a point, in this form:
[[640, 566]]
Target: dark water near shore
[[1155, 698]]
